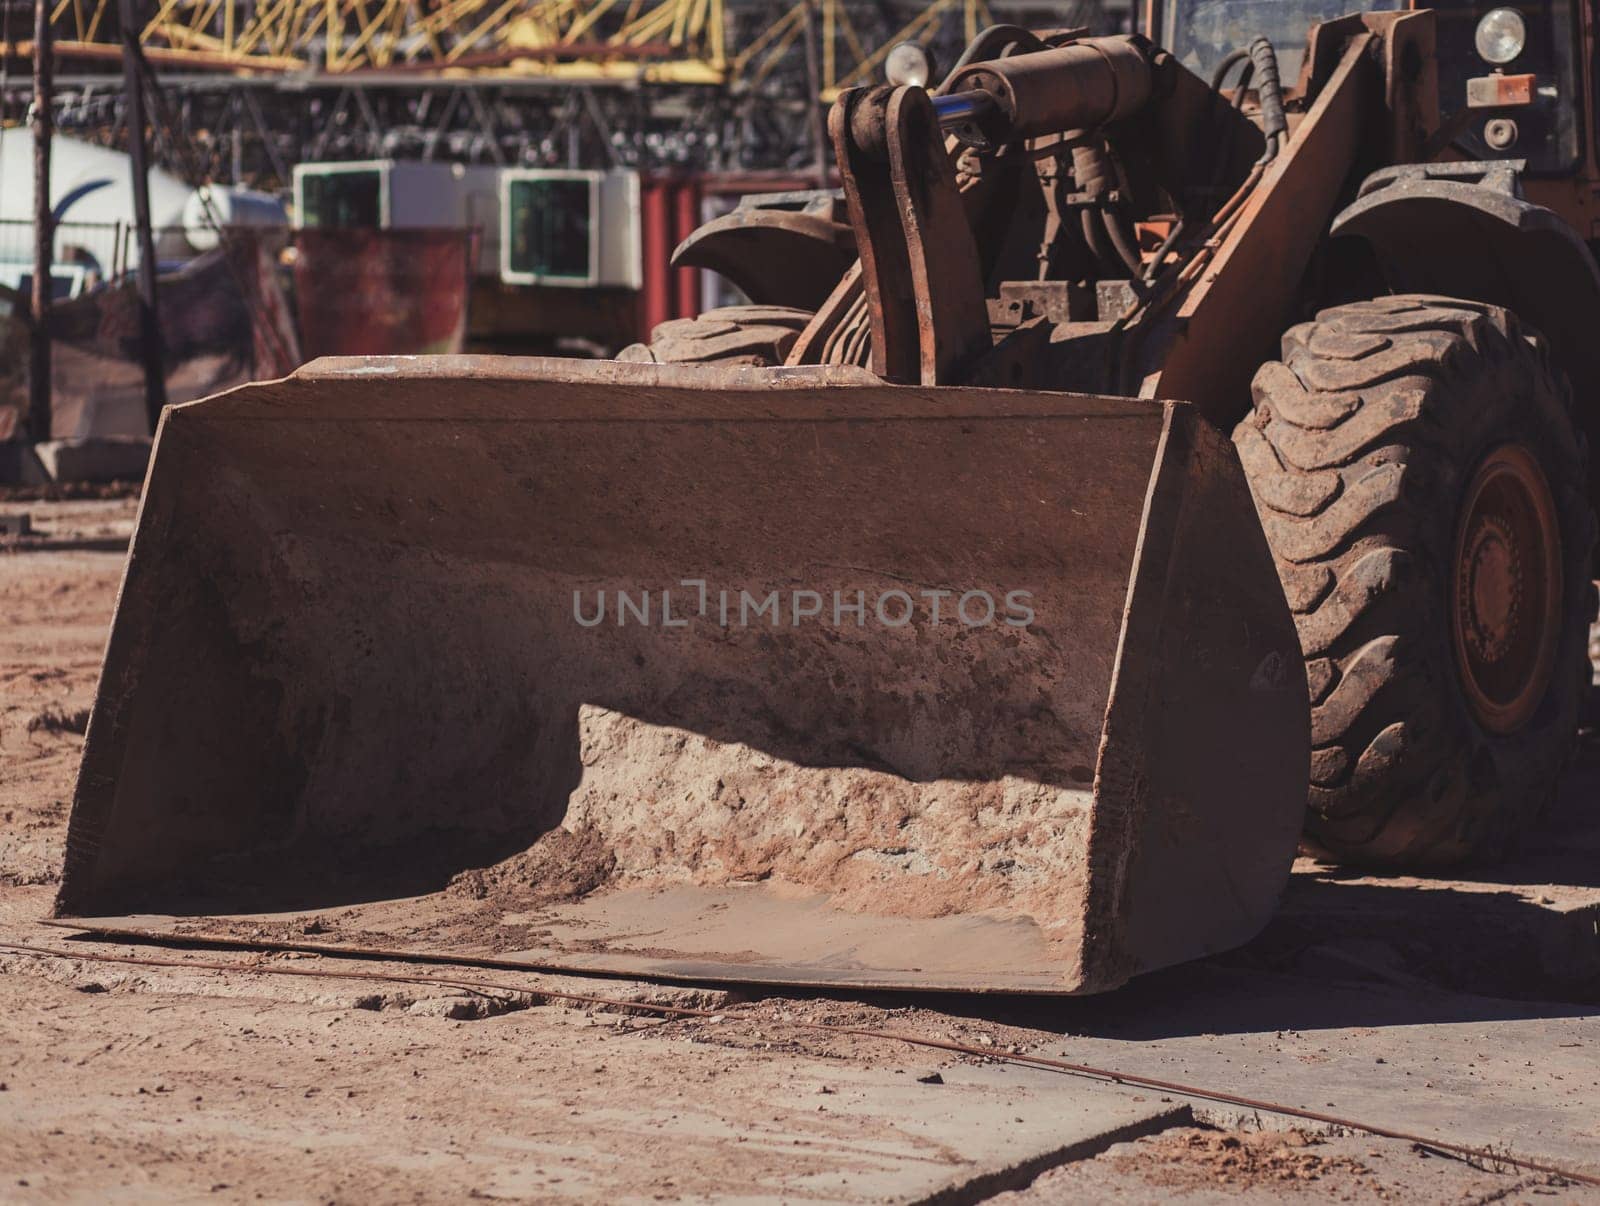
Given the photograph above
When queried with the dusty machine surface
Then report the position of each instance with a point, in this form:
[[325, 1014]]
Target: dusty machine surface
[[936, 635]]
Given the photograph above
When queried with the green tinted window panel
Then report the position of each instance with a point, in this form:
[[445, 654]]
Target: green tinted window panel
[[552, 228], [343, 199]]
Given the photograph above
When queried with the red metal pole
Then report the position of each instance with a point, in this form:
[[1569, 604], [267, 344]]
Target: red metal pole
[[686, 281], [657, 247]]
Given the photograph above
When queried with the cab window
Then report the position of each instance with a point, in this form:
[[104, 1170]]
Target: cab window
[[1201, 33]]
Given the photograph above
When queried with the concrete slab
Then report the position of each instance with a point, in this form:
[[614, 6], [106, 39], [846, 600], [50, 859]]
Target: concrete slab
[[1522, 1076], [1196, 1167], [1003, 1127]]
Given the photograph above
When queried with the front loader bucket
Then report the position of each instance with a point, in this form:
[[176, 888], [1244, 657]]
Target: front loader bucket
[[782, 676]]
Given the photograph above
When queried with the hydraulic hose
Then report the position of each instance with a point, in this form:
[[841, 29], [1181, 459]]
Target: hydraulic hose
[[1242, 88], [1268, 87], [1094, 234], [1167, 244], [1093, 176], [995, 42], [1122, 241], [1232, 58]]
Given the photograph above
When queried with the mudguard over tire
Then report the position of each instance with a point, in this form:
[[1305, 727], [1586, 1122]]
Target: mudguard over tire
[[1366, 449]]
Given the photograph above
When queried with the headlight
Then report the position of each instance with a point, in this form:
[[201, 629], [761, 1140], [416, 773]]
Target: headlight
[[908, 63], [1501, 35]]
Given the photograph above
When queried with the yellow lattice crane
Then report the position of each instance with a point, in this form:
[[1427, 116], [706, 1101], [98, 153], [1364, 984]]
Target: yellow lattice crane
[[658, 41], [649, 41]]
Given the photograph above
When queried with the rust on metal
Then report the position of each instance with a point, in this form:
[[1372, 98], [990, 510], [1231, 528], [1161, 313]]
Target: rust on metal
[[1507, 589], [1231, 314]]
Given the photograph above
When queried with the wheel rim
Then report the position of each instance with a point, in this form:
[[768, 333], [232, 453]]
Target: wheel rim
[[1507, 588]]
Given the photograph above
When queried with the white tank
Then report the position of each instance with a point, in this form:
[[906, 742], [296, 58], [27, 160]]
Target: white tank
[[213, 205]]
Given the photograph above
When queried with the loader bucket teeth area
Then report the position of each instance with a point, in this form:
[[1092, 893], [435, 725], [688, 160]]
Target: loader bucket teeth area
[[780, 676]]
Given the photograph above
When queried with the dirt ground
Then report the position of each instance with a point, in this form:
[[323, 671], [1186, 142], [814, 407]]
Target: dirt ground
[[131, 1082], [1212, 1165]]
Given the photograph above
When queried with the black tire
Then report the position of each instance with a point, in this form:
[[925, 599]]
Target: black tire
[[751, 335], [1361, 448]]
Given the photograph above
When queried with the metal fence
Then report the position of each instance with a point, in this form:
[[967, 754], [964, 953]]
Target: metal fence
[[110, 249]]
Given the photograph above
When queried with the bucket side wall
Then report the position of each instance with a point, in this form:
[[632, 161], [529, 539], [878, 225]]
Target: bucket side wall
[[1207, 747]]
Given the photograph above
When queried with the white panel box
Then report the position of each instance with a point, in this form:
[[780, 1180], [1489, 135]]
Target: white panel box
[[570, 228]]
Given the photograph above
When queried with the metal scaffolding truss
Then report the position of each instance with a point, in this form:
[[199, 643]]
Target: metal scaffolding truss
[[626, 41], [254, 131], [862, 58]]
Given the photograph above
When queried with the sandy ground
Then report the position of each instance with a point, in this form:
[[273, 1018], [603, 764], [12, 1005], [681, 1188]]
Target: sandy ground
[[140, 1083]]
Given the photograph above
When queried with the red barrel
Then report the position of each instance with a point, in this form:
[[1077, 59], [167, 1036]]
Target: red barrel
[[366, 292]]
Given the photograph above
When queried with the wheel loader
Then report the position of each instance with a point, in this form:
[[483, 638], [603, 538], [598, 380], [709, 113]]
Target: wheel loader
[[1155, 432]]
